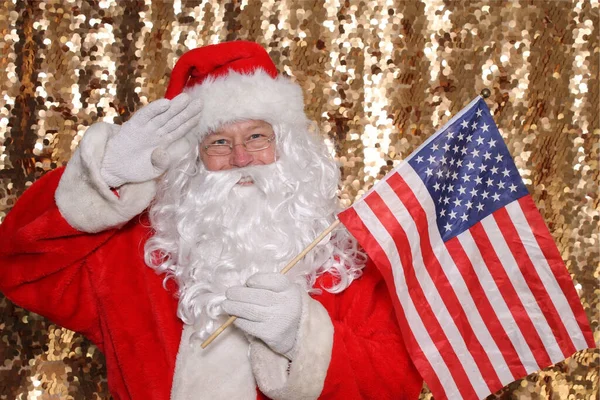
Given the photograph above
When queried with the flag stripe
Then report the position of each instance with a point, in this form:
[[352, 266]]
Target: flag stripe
[[510, 295], [497, 300], [426, 269], [420, 192], [414, 214], [551, 259], [519, 282], [543, 292], [436, 331], [384, 253], [490, 318]]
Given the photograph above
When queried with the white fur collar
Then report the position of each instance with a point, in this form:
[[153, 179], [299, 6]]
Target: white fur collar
[[222, 371]]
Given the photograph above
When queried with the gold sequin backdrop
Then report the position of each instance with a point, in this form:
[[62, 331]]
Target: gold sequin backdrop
[[379, 77]]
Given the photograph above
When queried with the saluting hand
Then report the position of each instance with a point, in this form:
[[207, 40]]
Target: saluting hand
[[150, 141]]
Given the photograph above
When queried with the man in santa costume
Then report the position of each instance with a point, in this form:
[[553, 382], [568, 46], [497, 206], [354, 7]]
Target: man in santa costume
[[159, 229]]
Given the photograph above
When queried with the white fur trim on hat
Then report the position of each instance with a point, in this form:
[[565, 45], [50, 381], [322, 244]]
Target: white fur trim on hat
[[256, 96]]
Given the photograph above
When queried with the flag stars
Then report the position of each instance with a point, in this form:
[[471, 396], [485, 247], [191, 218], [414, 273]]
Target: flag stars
[[469, 171]]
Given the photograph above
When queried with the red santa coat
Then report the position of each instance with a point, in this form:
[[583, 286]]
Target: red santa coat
[[98, 284]]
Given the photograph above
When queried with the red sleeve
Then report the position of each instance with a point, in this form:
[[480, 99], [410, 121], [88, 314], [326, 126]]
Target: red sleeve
[[369, 359], [43, 260]]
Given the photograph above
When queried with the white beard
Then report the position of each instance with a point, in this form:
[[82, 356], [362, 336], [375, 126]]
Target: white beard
[[228, 232], [212, 234]]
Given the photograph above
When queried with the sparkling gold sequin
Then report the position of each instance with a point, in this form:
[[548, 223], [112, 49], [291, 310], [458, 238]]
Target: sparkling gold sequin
[[379, 77]]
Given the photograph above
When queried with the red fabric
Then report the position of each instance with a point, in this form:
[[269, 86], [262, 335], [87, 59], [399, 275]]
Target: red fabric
[[218, 60], [99, 285]]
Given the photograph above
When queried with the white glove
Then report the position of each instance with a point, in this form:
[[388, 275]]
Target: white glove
[[269, 308], [147, 143]]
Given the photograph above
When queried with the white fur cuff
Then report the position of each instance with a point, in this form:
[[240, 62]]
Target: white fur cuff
[[307, 371], [85, 200]]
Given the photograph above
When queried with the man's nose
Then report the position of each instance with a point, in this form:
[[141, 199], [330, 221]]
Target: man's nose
[[240, 157]]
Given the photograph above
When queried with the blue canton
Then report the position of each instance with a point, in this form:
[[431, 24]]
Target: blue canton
[[468, 170]]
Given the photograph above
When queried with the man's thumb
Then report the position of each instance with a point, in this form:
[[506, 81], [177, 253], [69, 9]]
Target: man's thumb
[[161, 158]]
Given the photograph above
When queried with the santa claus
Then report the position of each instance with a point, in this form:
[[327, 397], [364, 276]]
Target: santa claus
[[159, 229]]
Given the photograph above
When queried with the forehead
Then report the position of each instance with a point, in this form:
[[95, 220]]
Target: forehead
[[242, 126]]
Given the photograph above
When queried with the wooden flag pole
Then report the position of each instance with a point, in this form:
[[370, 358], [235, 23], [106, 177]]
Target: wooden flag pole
[[283, 271]]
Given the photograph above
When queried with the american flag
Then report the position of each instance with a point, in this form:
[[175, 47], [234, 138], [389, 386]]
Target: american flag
[[481, 293]]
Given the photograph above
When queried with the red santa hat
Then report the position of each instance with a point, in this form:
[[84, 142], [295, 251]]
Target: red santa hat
[[237, 81]]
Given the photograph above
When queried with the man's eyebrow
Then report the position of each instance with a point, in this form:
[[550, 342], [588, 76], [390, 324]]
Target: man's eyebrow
[[258, 125]]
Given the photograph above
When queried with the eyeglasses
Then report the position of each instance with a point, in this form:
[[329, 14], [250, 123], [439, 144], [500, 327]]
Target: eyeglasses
[[251, 145]]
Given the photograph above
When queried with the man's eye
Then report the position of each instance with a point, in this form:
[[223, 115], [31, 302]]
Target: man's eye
[[256, 136], [220, 142]]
